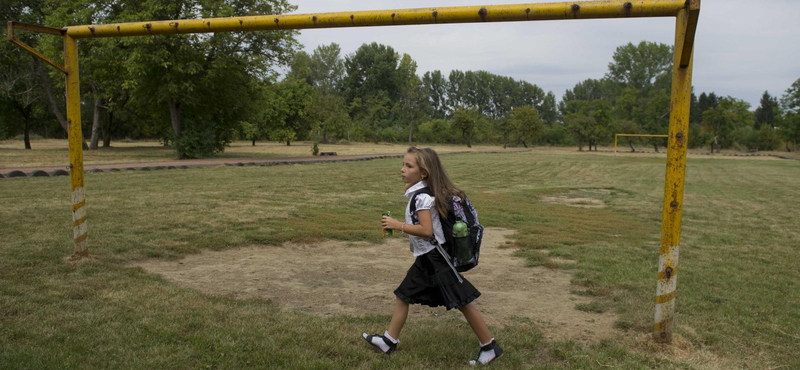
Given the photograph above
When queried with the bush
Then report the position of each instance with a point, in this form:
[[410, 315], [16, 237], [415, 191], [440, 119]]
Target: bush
[[200, 139], [436, 131], [746, 138], [315, 149], [393, 134], [283, 136], [556, 135], [768, 139]]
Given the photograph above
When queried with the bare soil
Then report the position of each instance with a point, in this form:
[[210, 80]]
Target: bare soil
[[583, 198], [335, 277]]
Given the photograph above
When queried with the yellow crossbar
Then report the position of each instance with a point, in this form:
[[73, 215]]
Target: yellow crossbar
[[397, 17]]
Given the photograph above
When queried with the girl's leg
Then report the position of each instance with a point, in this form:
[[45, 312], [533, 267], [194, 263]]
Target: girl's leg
[[490, 351], [399, 318], [475, 321]]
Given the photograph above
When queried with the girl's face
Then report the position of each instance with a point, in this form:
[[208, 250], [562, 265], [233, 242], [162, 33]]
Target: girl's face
[[411, 172]]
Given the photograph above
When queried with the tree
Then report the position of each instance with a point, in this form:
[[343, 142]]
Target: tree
[[583, 91], [203, 74], [412, 103], [767, 114], [327, 67], [371, 70], [18, 87], [527, 124], [324, 69], [583, 127], [290, 102], [372, 112], [720, 122], [435, 87], [464, 121], [327, 114], [639, 66], [35, 12], [790, 102], [504, 126], [456, 91]]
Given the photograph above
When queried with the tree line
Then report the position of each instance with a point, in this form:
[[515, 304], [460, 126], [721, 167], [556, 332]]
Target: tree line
[[199, 92]]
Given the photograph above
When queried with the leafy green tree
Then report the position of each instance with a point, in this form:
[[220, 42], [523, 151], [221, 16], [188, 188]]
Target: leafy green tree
[[640, 66], [584, 91], [527, 124], [456, 90], [413, 104], [36, 12], [328, 114], [629, 127], [372, 112], [706, 102], [583, 127], [600, 110], [18, 91], [720, 122], [324, 69], [768, 113], [203, 75], [300, 67], [464, 121], [327, 67], [435, 87], [504, 127], [290, 102], [371, 71], [549, 110], [790, 128]]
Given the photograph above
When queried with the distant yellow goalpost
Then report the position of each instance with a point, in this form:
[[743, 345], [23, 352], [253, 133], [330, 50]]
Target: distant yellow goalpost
[[628, 135]]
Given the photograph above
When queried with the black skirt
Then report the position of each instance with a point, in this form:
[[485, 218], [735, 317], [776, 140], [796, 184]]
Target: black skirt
[[431, 281]]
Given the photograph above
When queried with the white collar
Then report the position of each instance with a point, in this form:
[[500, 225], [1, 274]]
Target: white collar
[[410, 192]]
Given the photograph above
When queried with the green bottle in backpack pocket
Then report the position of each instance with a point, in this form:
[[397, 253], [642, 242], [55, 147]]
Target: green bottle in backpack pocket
[[463, 249]]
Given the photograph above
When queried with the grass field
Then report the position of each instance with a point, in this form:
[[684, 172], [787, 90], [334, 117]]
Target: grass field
[[737, 301]]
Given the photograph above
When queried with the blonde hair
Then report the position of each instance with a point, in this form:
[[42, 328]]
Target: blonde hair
[[438, 181]]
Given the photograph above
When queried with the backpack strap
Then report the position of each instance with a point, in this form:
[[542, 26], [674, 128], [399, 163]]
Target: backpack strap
[[413, 205]]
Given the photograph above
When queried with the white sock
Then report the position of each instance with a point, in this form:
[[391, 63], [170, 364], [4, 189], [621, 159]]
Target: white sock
[[484, 357], [389, 337], [378, 342]]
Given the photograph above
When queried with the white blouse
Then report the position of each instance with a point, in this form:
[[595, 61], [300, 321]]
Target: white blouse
[[420, 245]]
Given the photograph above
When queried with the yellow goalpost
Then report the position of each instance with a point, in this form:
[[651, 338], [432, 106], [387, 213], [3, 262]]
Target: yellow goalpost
[[685, 12]]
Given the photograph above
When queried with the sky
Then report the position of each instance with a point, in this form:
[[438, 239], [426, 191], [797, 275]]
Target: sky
[[742, 48]]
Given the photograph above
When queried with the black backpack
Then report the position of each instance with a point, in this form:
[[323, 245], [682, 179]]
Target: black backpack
[[461, 255]]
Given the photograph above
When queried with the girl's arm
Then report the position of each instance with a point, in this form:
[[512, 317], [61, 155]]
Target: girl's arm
[[424, 229]]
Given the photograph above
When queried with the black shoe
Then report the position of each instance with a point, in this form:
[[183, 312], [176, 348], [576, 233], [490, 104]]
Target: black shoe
[[492, 346], [392, 345]]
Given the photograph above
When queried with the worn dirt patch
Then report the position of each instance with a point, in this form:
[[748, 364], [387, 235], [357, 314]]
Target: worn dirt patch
[[334, 277], [583, 198]]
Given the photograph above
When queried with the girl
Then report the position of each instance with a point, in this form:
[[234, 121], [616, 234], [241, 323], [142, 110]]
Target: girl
[[430, 280]]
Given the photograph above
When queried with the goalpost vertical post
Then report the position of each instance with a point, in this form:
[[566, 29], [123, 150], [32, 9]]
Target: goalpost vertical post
[[80, 232], [686, 24]]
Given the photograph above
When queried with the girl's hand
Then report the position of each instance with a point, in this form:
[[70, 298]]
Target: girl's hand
[[389, 223]]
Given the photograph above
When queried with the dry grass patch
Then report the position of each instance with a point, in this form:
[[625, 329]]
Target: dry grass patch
[[358, 278]]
